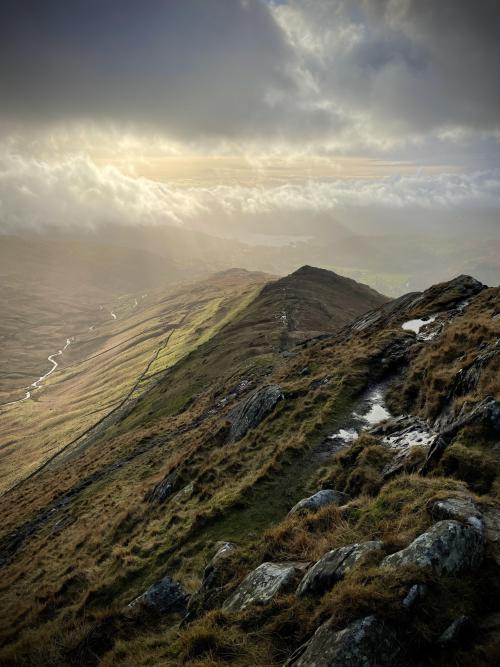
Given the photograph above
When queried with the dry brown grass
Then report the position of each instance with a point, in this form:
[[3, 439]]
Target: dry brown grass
[[119, 544]]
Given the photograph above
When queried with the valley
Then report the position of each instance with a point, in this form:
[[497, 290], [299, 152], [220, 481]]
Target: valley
[[110, 363]]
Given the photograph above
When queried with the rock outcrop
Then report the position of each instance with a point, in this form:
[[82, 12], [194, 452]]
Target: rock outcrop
[[465, 382], [448, 547], [213, 579], [403, 435], [163, 489], [318, 500], [485, 412], [368, 642], [263, 584], [250, 412], [416, 593], [166, 595], [459, 509], [334, 565]]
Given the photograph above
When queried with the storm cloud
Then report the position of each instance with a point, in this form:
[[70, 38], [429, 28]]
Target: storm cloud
[[372, 74], [193, 69]]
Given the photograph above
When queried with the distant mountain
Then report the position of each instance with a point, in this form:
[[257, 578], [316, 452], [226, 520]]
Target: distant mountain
[[306, 303]]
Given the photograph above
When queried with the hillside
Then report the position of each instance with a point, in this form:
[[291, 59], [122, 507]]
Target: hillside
[[107, 365], [306, 303], [310, 383]]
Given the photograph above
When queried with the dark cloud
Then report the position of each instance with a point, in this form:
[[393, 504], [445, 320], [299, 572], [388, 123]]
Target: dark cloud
[[356, 73], [191, 67]]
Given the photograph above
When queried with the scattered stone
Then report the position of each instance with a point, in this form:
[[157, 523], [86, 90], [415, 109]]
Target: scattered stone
[[263, 584], [448, 547], [164, 596], [334, 565], [184, 493], [456, 631], [213, 580], [416, 593], [459, 509], [224, 549], [368, 642], [250, 412], [163, 490], [319, 499]]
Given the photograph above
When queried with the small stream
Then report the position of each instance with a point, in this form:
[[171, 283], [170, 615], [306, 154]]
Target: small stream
[[270, 500], [368, 411], [38, 383], [52, 359]]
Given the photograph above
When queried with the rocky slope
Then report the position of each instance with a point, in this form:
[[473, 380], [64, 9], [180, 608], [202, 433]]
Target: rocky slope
[[327, 498]]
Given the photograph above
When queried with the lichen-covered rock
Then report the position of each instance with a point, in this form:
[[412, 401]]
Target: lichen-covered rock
[[368, 642], [224, 549], [334, 565], [459, 509], [249, 413], [185, 493], [163, 489], [163, 596], [215, 576], [319, 499], [448, 547], [263, 584]]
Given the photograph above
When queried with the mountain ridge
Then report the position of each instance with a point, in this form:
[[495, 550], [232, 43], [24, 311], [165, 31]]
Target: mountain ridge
[[391, 418]]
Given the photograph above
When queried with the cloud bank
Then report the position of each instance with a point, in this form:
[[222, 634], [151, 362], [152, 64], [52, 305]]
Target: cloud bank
[[74, 193]]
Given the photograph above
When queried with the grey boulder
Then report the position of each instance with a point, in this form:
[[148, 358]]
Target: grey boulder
[[459, 509], [448, 547], [163, 596], [367, 642], [319, 499], [214, 578], [249, 413], [224, 549], [333, 566], [163, 489], [415, 595], [263, 584]]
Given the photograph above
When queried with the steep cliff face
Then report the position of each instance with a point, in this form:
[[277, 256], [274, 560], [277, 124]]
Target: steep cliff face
[[380, 430]]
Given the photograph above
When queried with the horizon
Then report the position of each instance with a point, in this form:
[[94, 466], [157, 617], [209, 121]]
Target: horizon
[[268, 123]]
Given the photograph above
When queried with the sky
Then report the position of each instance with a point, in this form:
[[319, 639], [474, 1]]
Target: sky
[[216, 114]]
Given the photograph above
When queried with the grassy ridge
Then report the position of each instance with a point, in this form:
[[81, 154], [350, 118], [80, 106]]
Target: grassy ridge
[[108, 544]]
